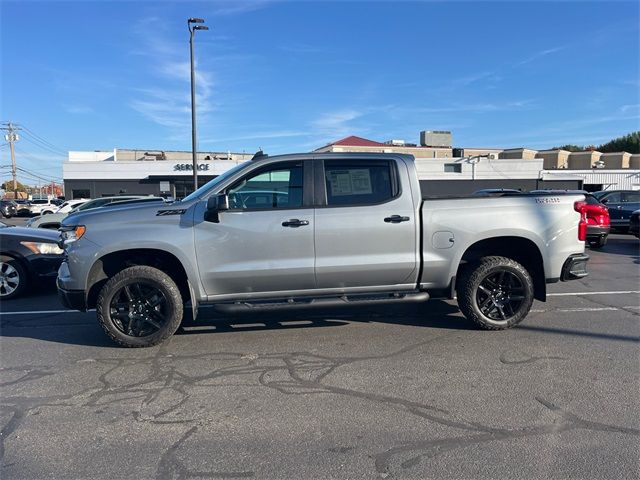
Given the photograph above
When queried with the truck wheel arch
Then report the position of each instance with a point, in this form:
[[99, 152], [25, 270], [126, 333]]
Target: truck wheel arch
[[112, 263], [520, 249]]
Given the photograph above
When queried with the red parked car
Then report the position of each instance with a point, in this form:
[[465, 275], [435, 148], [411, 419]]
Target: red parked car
[[598, 222]]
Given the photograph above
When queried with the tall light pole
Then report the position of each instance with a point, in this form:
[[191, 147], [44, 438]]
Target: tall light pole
[[192, 31]]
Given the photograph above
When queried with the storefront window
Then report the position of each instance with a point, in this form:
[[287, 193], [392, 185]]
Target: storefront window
[[81, 193]]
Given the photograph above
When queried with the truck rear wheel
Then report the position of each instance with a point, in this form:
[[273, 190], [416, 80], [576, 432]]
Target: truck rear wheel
[[140, 306], [495, 293]]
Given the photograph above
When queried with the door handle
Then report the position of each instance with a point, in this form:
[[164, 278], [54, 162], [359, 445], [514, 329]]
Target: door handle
[[294, 222], [396, 219]]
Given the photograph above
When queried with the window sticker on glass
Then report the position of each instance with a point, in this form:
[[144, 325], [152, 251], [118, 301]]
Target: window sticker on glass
[[350, 182]]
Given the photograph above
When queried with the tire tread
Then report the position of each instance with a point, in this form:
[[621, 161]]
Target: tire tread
[[140, 271], [472, 274]]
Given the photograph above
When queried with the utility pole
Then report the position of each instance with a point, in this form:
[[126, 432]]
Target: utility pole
[[11, 137]]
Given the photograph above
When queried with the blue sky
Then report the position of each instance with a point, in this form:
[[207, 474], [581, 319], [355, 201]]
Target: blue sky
[[292, 76]]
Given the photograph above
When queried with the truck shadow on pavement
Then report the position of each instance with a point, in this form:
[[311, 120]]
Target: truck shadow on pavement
[[77, 328], [433, 314]]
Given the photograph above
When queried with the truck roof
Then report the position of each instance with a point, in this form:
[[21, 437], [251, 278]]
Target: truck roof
[[334, 155]]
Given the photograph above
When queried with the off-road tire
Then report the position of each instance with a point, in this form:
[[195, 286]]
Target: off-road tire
[[473, 276], [22, 275], [150, 276]]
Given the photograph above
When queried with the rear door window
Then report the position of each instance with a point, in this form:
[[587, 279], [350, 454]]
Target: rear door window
[[359, 183]]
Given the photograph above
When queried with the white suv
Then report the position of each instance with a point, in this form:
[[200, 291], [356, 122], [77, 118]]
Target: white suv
[[40, 205], [66, 207]]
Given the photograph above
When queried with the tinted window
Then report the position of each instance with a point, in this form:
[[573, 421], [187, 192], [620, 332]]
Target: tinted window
[[591, 200], [615, 197], [632, 197], [359, 183], [277, 186], [93, 204]]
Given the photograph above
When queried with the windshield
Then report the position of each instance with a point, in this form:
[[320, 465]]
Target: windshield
[[219, 179]]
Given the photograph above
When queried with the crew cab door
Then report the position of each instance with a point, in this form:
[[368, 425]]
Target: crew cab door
[[365, 224], [264, 242]]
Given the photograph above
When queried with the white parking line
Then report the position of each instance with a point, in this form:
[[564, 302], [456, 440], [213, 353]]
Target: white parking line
[[598, 309], [579, 294], [34, 312]]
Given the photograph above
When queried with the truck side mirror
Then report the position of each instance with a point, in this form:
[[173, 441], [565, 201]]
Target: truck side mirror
[[218, 203], [215, 205]]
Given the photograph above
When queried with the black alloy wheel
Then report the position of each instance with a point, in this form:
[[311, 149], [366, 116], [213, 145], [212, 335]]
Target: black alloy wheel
[[138, 309], [140, 306], [500, 295], [495, 292]]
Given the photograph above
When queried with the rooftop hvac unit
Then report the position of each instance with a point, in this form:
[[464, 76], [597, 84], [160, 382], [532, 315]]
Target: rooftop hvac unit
[[436, 138], [396, 143]]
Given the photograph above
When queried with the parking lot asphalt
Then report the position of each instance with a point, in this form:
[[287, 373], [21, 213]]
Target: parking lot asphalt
[[396, 392]]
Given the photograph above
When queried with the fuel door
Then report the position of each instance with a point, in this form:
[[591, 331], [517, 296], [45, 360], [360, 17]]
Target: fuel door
[[442, 240]]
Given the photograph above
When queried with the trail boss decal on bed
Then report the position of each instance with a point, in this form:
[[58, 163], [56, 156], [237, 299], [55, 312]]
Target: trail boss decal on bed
[[548, 200]]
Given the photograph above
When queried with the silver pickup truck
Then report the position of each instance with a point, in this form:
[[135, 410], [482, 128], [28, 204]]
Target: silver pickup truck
[[332, 229]]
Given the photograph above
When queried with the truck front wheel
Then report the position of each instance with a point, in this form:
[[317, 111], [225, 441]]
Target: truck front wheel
[[495, 293], [140, 306]]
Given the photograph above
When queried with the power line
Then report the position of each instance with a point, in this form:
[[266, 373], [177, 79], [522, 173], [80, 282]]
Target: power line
[[37, 143], [35, 175], [44, 141]]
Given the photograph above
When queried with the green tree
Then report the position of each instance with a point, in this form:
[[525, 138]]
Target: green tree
[[627, 143], [8, 186], [569, 148]]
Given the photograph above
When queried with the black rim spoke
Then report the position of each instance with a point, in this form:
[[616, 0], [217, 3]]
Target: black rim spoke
[[138, 309], [486, 305], [500, 295]]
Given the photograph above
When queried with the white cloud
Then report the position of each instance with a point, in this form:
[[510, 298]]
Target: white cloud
[[169, 105], [540, 54], [79, 109], [239, 7], [336, 123]]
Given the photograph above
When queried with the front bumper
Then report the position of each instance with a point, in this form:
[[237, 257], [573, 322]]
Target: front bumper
[[575, 267], [73, 299]]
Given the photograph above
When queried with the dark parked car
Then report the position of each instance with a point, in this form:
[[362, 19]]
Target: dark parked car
[[8, 208], [634, 223], [598, 221], [27, 256], [621, 204]]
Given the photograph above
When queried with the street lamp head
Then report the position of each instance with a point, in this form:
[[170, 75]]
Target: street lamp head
[[201, 27], [195, 20]]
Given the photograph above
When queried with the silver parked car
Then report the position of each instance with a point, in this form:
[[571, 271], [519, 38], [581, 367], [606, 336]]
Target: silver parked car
[[53, 220]]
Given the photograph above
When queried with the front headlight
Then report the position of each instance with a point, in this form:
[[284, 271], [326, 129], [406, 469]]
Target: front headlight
[[71, 233], [43, 248]]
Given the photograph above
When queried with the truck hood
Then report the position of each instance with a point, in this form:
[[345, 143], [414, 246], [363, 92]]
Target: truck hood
[[130, 211]]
